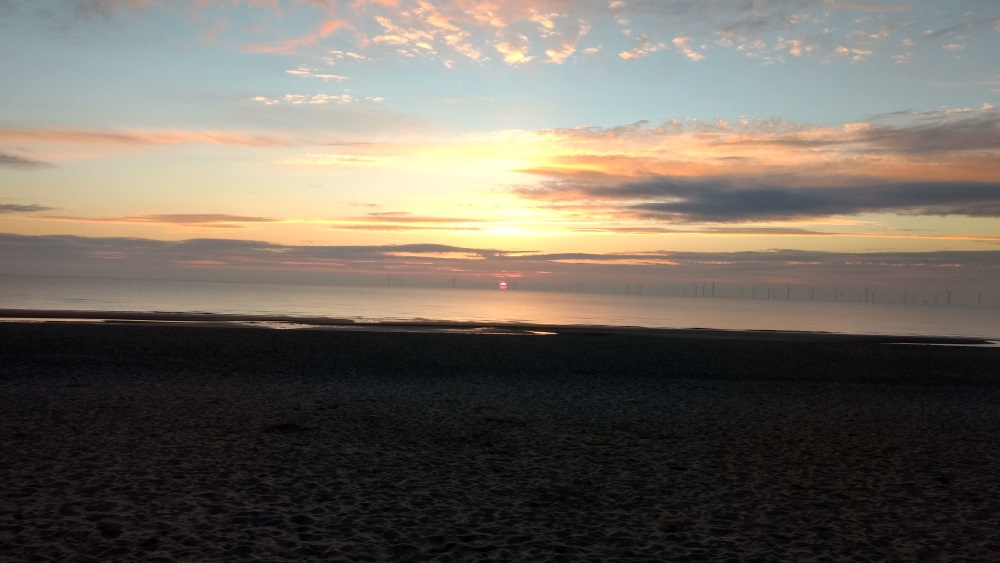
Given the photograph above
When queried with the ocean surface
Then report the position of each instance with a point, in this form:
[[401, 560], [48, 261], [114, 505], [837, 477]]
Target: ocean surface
[[379, 304]]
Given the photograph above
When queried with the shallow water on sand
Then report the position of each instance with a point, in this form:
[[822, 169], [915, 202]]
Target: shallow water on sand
[[377, 304]]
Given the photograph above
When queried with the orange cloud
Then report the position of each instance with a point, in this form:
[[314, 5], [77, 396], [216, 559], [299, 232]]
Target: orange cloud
[[642, 46], [683, 45], [514, 54], [386, 3], [215, 220], [141, 137], [949, 144], [294, 44]]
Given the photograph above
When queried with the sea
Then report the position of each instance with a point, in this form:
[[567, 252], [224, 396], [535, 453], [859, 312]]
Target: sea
[[368, 305]]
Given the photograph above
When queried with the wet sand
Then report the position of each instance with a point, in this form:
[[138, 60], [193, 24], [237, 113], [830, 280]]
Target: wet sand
[[136, 440]]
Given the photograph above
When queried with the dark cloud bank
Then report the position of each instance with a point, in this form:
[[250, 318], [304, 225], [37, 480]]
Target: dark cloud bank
[[436, 265], [29, 208], [21, 163], [719, 200]]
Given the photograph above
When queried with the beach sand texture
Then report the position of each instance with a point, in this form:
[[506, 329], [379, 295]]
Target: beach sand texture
[[182, 443]]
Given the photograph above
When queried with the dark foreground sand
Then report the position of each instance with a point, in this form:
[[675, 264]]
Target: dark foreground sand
[[166, 443]]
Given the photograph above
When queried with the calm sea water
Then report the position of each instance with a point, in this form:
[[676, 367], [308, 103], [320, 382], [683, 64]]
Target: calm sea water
[[495, 306]]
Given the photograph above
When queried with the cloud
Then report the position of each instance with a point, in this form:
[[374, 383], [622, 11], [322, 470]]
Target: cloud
[[565, 39], [924, 141], [558, 55], [386, 3], [140, 137], [306, 72], [795, 47], [307, 99], [295, 44], [433, 31], [335, 55], [453, 30], [30, 208], [234, 253], [437, 264], [215, 220], [21, 163], [514, 50], [855, 53], [932, 163], [398, 35], [683, 45], [383, 221], [200, 218], [642, 46], [656, 230], [774, 231], [718, 200], [938, 131], [858, 45], [344, 117], [947, 30]]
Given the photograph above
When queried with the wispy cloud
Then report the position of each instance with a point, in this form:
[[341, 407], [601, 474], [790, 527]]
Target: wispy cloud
[[307, 72], [642, 46], [306, 99], [393, 221], [23, 208], [859, 44], [214, 220], [22, 163], [293, 45], [140, 137]]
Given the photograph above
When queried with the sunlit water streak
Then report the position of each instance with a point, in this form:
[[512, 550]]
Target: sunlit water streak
[[379, 304]]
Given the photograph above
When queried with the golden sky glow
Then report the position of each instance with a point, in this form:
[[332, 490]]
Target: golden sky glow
[[604, 130]]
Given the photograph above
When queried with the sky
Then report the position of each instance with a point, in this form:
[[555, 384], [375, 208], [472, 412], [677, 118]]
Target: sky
[[801, 141]]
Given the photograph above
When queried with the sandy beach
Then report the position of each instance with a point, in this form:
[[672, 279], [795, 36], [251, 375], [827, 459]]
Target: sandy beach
[[132, 440]]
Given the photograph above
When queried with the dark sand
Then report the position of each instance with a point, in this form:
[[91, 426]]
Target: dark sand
[[157, 442]]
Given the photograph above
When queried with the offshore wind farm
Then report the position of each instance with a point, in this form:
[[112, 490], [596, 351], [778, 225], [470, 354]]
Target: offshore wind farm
[[663, 306]]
